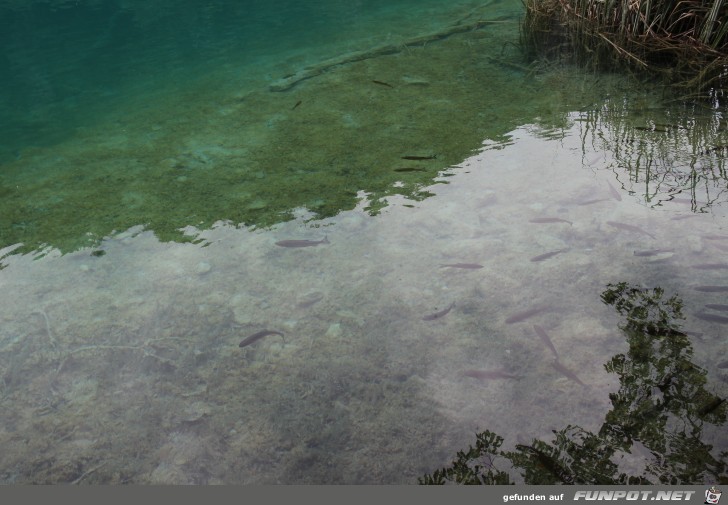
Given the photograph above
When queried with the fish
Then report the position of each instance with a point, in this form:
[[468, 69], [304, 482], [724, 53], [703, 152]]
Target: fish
[[257, 336], [418, 158], [629, 227], [589, 202], [650, 129], [653, 252], [567, 373], [722, 247], [686, 216], [715, 237], [670, 126], [471, 266], [381, 83], [501, 373], [520, 316], [310, 299], [297, 104], [302, 243], [548, 255], [713, 318], [549, 220], [710, 266], [712, 289], [545, 338], [614, 192], [717, 306], [438, 315], [410, 169]]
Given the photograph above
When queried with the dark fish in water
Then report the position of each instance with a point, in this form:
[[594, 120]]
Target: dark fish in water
[[438, 315], [717, 306], [712, 289], [629, 227], [381, 83], [471, 266], [722, 247], [257, 336], [549, 220], [490, 374], [650, 129], [547, 255], [310, 299], [716, 237], [410, 169], [566, 372], [545, 338], [710, 266], [297, 104], [713, 318], [520, 316], [653, 252], [589, 202], [417, 158], [614, 192], [302, 243], [670, 126]]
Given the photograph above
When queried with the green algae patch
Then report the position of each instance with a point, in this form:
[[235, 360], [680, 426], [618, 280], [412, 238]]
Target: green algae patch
[[388, 125]]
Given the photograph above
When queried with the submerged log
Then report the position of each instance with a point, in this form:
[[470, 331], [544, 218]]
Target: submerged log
[[289, 81]]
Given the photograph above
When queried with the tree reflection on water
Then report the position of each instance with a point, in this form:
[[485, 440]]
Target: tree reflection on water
[[660, 410]]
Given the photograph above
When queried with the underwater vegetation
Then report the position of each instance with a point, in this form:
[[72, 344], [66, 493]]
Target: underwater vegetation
[[660, 410], [203, 154]]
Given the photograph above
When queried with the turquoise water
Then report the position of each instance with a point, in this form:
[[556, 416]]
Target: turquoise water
[[161, 162], [67, 64], [126, 118]]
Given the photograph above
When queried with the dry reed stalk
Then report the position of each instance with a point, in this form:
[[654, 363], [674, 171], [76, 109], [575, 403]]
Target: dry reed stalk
[[685, 41]]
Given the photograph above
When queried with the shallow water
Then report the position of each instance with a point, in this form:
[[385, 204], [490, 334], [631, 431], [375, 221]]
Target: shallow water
[[139, 240]]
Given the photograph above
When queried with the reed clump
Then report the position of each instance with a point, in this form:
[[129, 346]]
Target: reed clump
[[683, 40]]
